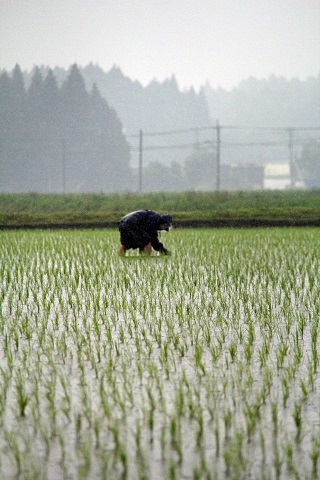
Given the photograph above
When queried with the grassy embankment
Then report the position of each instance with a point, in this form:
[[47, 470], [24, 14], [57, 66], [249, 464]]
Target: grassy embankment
[[188, 208]]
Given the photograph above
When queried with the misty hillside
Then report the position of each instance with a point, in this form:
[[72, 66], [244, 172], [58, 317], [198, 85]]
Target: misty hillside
[[163, 107], [157, 107], [179, 134], [272, 102], [267, 108]]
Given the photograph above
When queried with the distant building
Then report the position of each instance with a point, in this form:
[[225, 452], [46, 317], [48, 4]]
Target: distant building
[[277, 177]]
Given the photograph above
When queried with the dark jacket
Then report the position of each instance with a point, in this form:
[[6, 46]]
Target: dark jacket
[[149, 222]]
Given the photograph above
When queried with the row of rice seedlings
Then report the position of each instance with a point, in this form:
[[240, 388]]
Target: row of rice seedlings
[[203, 364]]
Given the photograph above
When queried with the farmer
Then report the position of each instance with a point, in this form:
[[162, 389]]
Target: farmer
[[140, 230]]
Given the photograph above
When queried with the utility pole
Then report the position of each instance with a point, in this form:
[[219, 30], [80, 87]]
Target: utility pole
[[291, 166], [140, 159], [218, 129], [64, 182]]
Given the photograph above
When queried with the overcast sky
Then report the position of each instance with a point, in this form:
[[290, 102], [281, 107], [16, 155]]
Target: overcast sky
[[220, 41]]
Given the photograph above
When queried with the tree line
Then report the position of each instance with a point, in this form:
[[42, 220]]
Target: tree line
[[159, 106], [59, 137]]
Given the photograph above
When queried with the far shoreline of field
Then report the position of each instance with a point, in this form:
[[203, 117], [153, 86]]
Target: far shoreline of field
[[266, 208]]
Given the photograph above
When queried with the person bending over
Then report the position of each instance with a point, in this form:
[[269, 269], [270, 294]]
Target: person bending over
[[140, 230]]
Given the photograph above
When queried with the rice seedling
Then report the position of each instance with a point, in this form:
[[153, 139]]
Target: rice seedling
[[296, 414], [314, 455], [22, 395]]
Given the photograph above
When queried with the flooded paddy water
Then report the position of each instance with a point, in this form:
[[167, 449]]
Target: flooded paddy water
[[201, 365]]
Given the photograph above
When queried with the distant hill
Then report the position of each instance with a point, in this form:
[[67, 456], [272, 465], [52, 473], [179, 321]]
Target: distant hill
[[158, 106], [272, 102], [163, 107], [262, 106]]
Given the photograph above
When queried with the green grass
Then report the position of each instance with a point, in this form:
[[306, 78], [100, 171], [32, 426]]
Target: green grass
[[204, 364], [187, 208]]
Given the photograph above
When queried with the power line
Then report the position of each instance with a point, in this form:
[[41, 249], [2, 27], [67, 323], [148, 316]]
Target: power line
[[282, 143], [172, 132], [225, 127], [164, 147], [283, 129]]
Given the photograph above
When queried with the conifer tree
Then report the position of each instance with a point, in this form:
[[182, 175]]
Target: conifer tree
[[48, 134]]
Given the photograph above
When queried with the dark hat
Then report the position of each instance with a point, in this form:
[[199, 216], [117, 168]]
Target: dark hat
[[167, 219]]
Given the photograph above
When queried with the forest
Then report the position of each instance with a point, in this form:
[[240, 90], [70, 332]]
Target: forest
[[57, 138]]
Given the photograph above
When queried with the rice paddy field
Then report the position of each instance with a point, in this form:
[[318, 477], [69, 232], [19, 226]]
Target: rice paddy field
[[199, 365]]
